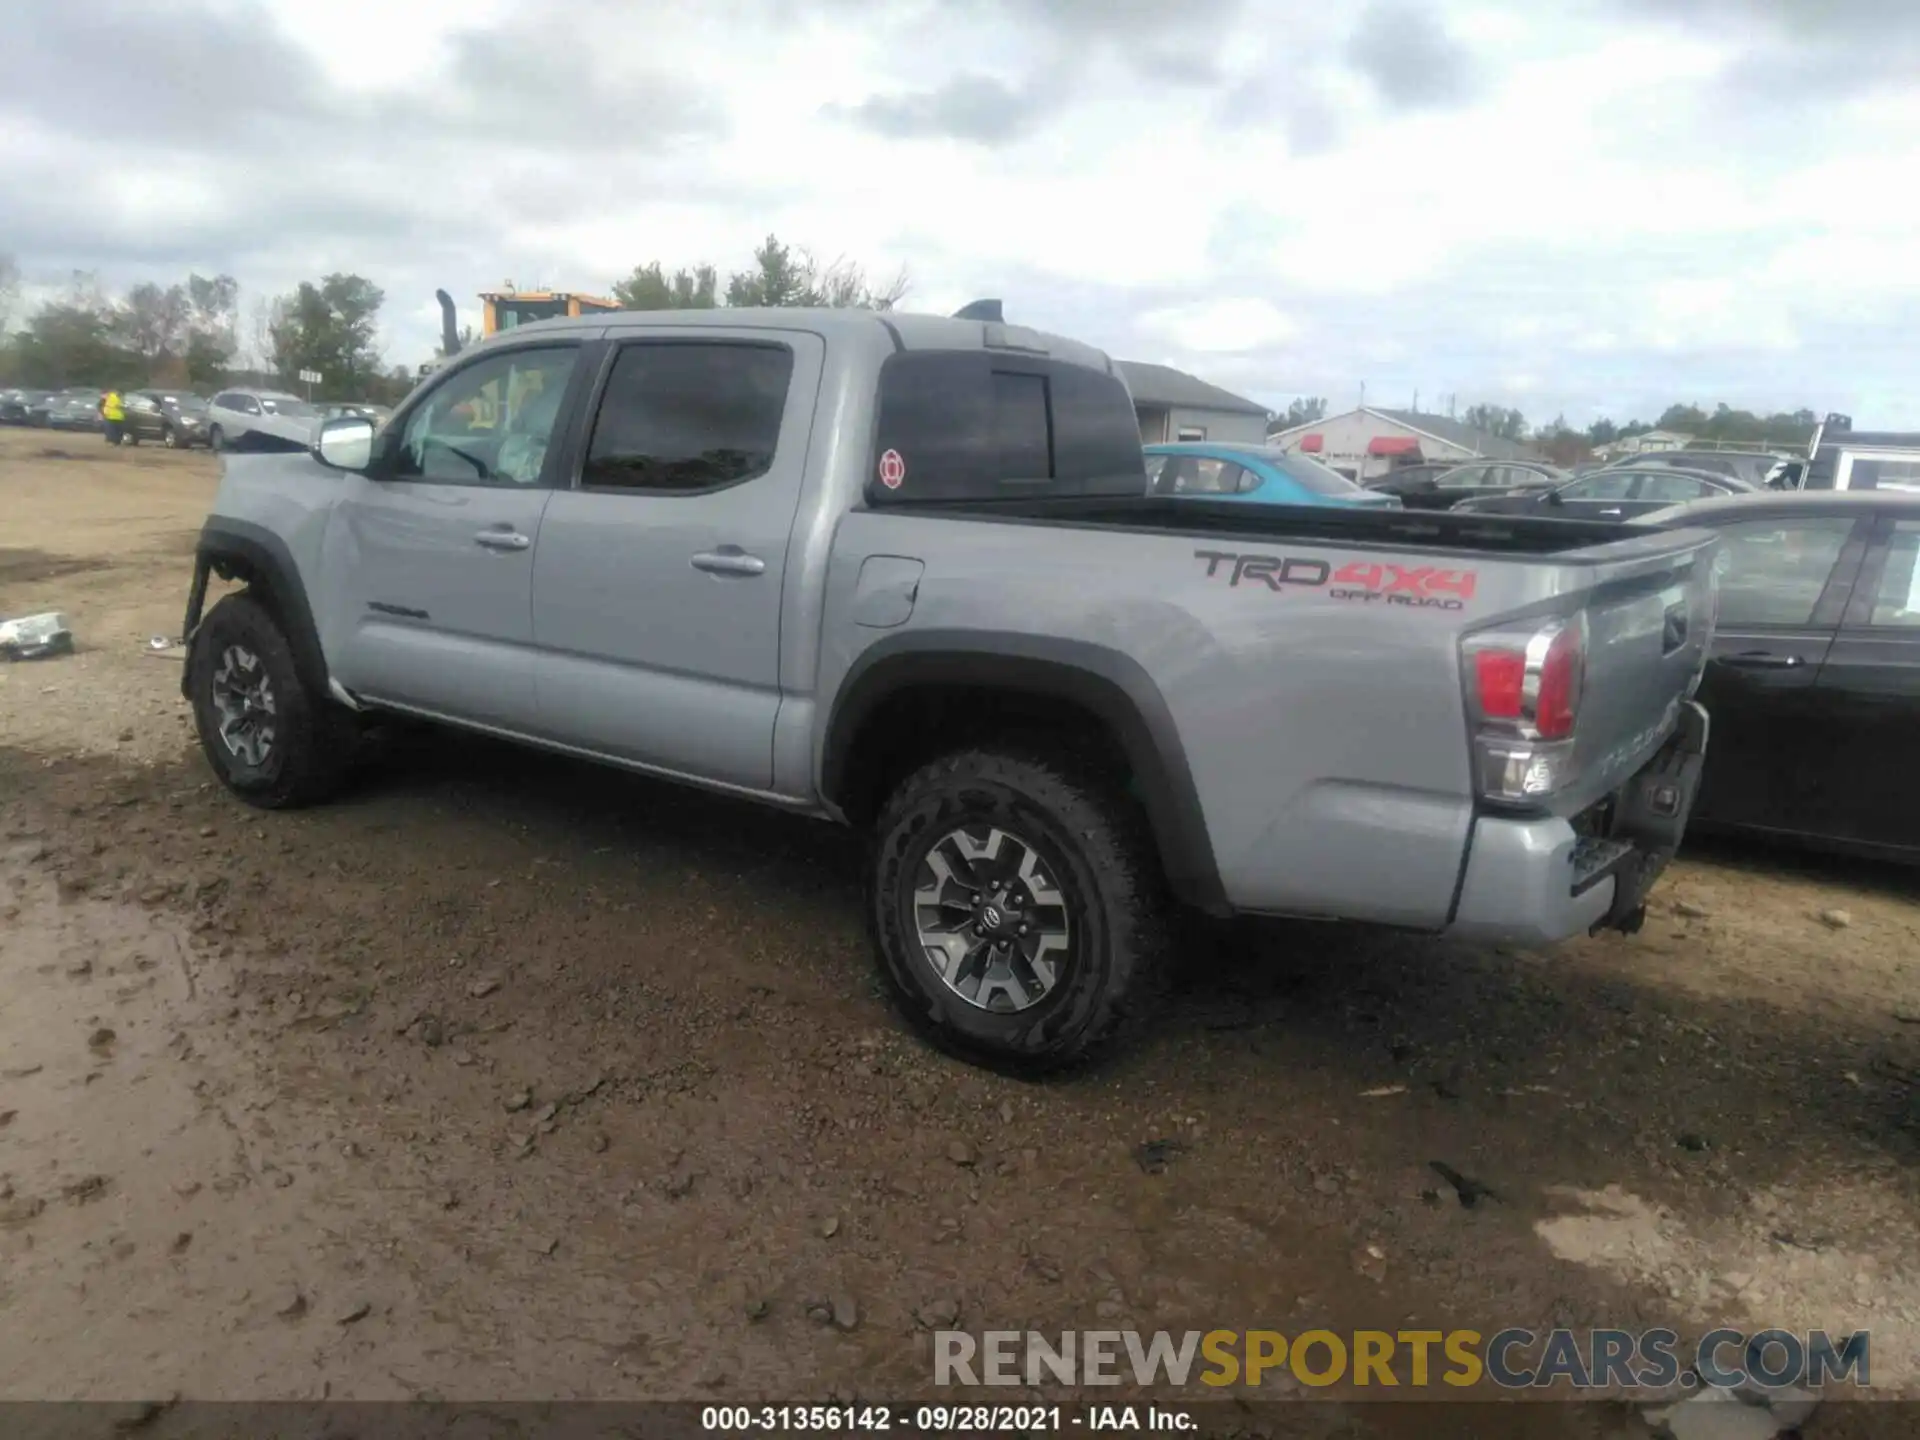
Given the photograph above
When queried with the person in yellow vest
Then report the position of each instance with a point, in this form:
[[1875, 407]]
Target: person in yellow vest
[[114, 414]]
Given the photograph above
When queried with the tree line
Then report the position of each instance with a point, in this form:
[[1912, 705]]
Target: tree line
[[193, 334]]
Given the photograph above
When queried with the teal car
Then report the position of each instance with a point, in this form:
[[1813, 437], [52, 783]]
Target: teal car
[[1258, 474]]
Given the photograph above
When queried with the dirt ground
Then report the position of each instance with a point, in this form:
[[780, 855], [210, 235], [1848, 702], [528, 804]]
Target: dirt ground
[[509, 1078]]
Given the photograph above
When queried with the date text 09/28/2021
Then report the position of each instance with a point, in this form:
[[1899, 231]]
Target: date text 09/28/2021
[[945, 1419]]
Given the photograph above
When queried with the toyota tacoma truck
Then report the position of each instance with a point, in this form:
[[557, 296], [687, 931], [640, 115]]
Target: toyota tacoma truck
[[903, 572]]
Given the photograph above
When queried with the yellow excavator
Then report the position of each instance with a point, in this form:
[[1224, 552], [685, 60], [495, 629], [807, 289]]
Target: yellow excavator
[[507, 309]]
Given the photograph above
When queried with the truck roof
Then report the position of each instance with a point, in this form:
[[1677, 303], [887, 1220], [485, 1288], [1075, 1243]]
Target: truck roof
[[907, 331]]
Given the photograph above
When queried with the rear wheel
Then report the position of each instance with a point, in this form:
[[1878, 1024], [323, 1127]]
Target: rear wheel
[[271, 740], [1015, 907]]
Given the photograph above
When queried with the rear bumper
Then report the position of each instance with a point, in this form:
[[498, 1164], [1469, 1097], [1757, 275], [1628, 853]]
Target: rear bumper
[[1538, 881]]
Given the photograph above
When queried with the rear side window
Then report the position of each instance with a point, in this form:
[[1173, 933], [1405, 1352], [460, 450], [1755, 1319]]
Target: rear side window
[[689, 417], [1312, 475], [974, 425]]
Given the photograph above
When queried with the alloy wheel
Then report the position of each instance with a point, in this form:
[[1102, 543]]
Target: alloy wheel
[[991, 918]]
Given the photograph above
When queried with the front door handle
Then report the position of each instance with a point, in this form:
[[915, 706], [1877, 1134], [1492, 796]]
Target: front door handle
[[1611, 510], [502, 540], [729, 560], [1762, 660]]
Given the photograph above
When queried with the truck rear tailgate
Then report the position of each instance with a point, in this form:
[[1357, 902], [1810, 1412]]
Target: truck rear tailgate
[[1650, 607]]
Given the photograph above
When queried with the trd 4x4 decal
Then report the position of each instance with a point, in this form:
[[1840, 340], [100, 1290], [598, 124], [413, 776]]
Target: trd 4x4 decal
[[1427, 587]]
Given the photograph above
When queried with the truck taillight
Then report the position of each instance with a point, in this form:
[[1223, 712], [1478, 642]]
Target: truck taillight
[[1523, 691]]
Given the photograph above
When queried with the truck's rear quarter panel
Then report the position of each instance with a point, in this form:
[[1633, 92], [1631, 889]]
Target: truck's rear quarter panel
[[1323, 724]]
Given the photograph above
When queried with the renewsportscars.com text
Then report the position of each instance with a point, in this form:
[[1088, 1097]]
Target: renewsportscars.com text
[[1511, 1359]]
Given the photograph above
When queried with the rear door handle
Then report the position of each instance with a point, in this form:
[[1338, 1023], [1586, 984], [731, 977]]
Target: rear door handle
[[729, 560], [1762, 660], [502, 540]]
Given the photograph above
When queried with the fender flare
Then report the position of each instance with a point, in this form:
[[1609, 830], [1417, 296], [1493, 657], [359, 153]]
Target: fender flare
[[1110, 685], [270, 569]]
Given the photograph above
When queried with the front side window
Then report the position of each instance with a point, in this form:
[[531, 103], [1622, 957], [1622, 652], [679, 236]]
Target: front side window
[[689, 417], [489, 423], [1467, 477], [1310, 474], [1897, 601], [1155, 464], [1773, 571], [1599, 487], [1676, 489]]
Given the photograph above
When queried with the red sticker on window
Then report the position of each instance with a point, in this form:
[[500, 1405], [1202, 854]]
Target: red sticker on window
[[893, 470]]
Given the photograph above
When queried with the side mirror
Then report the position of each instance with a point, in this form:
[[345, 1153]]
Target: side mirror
[[345, 444], [1553, 498]]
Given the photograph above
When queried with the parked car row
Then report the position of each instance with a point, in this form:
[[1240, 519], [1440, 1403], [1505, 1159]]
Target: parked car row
[[178, 419], [70, 409]]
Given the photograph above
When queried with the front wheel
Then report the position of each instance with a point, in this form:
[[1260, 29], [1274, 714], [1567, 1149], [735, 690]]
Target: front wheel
[[170, 438], [271, 740], [216, 439], [1015, 907]]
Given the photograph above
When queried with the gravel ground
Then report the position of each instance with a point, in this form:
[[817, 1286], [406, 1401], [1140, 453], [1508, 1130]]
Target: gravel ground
[[509, 1078]]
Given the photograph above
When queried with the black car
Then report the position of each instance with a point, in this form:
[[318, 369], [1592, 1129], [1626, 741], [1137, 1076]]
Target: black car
[[1612, 494], [1420, 490], [175, 418], [1749, 465], [1813, 687], [24, 407]]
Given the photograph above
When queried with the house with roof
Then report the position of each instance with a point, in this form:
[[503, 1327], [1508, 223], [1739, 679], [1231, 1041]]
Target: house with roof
[[1646, 442], [1173, 405], [1366, 443]]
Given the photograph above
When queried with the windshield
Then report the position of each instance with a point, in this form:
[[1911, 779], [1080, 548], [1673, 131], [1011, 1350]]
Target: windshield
[[1310, 473]]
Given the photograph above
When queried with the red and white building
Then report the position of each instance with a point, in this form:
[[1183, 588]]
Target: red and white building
[[1366, 443]]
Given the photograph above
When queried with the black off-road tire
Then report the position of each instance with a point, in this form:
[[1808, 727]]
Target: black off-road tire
[[314, 741], [1095, 841]]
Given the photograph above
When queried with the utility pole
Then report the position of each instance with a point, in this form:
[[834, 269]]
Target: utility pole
[[1416, 402], [1363, 394]]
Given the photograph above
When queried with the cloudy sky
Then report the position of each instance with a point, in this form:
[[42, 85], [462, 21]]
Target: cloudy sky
[[1580, 206]]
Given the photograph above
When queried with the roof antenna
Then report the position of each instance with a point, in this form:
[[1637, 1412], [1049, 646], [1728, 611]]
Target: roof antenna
[[988, 310]]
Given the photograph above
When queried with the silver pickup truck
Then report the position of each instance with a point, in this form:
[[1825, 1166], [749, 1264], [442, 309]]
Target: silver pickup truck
[[902, 572]]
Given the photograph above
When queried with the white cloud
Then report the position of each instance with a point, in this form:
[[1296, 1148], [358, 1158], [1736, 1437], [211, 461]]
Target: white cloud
[[1225, 326], [1594, 203]]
